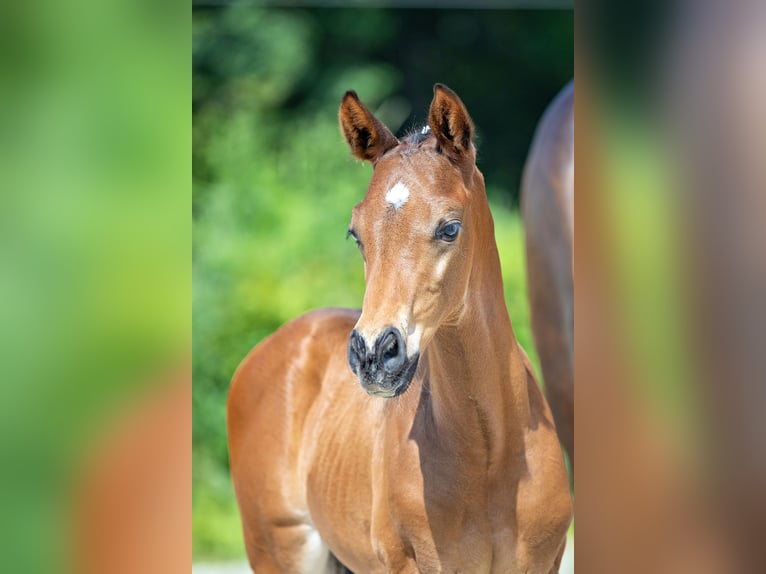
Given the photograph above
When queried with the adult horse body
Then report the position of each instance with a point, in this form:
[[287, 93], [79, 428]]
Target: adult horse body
[[450, 461], [547, 204]]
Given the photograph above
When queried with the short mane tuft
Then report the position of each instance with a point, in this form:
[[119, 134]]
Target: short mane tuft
[[417, 135], [412, 141]]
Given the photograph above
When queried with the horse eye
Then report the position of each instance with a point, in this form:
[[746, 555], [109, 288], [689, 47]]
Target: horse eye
[[350, 233], [448, 232]]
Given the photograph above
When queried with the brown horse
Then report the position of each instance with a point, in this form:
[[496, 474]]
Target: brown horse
[[547, 201], [411, 437]]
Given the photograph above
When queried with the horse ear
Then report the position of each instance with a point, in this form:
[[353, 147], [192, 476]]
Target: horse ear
[[367, 136], [450, 123]]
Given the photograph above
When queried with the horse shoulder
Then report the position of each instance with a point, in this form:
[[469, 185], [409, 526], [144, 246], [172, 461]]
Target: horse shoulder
[[271, 394], [544, 503], [290, 360]]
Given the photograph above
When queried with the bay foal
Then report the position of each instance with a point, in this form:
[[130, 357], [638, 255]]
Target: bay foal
[[411, 437]]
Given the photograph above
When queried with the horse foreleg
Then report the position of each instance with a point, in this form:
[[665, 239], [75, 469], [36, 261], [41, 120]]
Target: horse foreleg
[[559, 556]]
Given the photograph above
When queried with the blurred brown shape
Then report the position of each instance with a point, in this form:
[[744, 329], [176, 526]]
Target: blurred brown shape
[[717, 100], [547, 202], [640, 507], [132, 507]]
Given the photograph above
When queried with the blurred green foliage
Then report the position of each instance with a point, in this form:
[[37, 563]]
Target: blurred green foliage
[[274, 182], [94, 242]]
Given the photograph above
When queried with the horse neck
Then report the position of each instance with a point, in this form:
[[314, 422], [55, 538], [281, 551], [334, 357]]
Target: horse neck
[[475, 379]]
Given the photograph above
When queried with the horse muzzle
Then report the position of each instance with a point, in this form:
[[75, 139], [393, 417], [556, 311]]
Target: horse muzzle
[[384, 370]]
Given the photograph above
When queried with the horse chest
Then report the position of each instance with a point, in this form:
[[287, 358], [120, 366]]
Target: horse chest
[[432, 517]]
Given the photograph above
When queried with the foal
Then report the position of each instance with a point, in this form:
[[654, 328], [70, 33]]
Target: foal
[[446, 459]]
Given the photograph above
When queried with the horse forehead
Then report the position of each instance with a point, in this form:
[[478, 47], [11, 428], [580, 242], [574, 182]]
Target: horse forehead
[[400, 200], [409, 185]]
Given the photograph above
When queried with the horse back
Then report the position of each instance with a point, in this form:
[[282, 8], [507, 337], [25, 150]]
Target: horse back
[[548, 212]]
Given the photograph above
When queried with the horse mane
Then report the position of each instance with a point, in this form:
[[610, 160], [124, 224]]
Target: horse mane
[[417, 135], [413, 139]]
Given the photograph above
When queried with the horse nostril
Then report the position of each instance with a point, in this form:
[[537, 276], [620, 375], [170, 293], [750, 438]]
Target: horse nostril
[[390, 350], [388, 355], [390, 347], [357, 351]]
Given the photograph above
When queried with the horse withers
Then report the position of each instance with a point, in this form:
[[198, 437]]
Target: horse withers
[[411, 436]]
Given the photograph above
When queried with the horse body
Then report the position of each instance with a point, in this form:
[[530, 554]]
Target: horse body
[[450, 461], [548, 211]]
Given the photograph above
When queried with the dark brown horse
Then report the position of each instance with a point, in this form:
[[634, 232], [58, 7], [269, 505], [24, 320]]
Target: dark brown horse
[[548, 210], [410, 437]]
